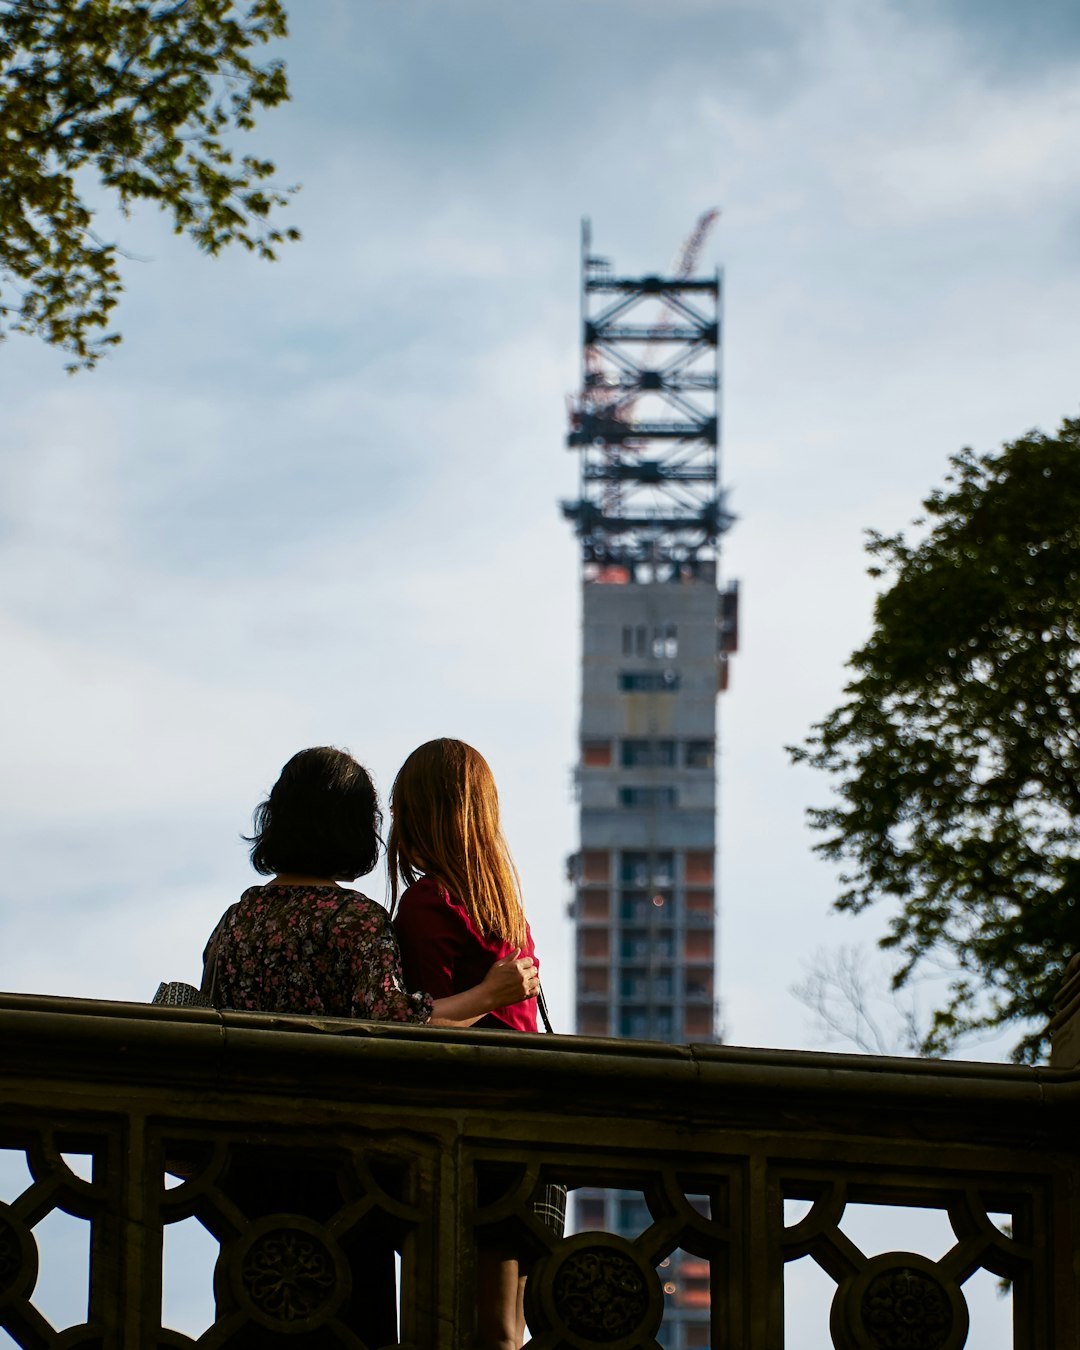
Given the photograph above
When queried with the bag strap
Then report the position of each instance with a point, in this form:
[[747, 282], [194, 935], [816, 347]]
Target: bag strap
[[541, 1004], [210, 986]]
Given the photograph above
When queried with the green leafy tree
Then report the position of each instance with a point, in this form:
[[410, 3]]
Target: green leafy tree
[[139, 97], [956, 751]]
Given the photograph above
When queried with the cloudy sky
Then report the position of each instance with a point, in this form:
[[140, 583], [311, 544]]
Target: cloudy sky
[[317, 501]]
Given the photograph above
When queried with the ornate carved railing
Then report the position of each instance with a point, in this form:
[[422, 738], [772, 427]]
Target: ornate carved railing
[[305, 1146]]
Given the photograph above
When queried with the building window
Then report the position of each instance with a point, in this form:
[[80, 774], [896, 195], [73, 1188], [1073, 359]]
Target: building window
[[663, 985], [596, 754], [635, 640], [698, 985], [594, 982], [699, 902], [698, 1022], [593, 1021], [699, 944], [700, 754], [634, 1216], [665, 642], [698, 867], [634, 945], [634, 1022], [633, 907], [632, 985], [646, 754], [595, 904], [634, 869], [694, 1294], [648, 681], [641, 907], [636, 986], [648, 798], [639, 944], [594, 944], [590, 1214], [647, 870], [595, 864]]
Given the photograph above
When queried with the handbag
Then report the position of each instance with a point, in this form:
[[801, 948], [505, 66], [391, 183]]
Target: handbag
[[549, 1203], [177, 994]]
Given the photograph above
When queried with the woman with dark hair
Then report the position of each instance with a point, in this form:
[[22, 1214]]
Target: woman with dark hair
[[303, 943], [461, 909]]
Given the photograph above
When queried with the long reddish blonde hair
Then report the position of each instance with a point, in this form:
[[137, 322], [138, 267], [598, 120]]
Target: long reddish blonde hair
[[446, 825]]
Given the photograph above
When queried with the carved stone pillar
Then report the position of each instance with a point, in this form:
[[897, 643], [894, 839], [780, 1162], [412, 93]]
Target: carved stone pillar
[[1065, 1025]]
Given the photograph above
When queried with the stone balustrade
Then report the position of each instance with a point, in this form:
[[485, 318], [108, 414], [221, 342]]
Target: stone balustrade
[[298, 1143]]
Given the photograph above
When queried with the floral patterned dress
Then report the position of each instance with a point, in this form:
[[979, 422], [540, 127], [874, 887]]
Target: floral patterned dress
[[332, 952], [310, 949]]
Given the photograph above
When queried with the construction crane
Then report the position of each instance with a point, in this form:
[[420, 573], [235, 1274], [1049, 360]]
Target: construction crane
[[687, 256], [683, 266]]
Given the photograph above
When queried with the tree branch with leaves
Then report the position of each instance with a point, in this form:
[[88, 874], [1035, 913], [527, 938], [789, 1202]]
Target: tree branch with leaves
[[956, 751], [141, 97]]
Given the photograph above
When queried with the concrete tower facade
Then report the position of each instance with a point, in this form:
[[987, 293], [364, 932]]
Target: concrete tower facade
[[657, 636]]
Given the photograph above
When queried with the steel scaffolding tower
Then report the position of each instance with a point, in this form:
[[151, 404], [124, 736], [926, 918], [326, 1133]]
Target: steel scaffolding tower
[[647, 424], [657, 635]]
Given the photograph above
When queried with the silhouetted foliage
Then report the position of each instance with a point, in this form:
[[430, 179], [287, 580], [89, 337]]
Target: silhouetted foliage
[[957, 748], [138, 97]]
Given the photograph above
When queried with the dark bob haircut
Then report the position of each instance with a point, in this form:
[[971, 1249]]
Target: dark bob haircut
[[322, 819]]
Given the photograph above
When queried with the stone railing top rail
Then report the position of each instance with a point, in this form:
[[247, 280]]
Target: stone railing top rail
[[142, 1046]]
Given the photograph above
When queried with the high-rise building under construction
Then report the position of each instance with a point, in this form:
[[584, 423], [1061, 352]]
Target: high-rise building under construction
[[657, 635]]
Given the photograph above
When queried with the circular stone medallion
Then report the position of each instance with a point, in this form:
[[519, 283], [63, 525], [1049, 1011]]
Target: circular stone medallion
[[291, 1275], [906, 1308], [900, 1301], [601, 1294], [594, 1290]]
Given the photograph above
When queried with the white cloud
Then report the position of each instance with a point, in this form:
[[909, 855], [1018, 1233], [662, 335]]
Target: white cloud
[[89, 732]]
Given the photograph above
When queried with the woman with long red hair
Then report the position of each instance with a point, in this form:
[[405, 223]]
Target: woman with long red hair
[[461, 910]]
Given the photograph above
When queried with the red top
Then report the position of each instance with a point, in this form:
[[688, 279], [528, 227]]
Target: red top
[[443, 952]]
